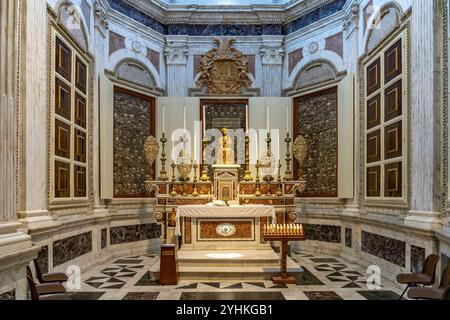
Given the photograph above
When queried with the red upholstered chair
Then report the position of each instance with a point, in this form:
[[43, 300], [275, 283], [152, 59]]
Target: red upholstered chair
[[57, 277], [425, 278], [440, 293]]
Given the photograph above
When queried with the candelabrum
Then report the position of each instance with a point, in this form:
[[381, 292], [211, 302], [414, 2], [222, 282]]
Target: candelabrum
[[279, 190], [288, 172], [195, 191], [268, 177], [204, 176], [283, 233], [173, 193], [257, 191], [247, 174], [163, 172]]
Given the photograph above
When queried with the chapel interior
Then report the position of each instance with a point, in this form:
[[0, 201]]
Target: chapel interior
[[224, 149]]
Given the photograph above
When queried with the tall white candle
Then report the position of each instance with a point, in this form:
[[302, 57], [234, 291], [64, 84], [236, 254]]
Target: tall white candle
[[163, 118], [267, 117], [195, 148], [184, 117], [287, 118], [246, 117]]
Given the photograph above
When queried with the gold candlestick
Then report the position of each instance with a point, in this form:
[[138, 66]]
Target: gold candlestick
[[163, 173], [195, 191], [174, 190], [247, 174], [204, 176], [288, 171], [268, 178], [258, 191], [279, 191]]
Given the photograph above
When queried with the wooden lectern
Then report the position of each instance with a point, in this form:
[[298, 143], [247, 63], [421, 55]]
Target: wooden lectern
[[168, 269]]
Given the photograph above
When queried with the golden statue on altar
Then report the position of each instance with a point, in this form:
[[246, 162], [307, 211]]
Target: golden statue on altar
[[225, 152]]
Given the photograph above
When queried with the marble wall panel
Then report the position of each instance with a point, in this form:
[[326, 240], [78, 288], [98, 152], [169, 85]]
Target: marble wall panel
[[348, 237], [125, 234], [389, 249], [367, 12], [72, 247], [445, 261], [294, 58], [153, 56], [316, 118], [116, 42], [132, 126], [42, 259], [325, 233], [104, 238], [417, 258], [335, 43], [86, 8]]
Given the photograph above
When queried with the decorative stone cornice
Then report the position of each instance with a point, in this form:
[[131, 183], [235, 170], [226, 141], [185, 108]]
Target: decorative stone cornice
[[351, 20], [271, 55], [100, 15], [176, 54]]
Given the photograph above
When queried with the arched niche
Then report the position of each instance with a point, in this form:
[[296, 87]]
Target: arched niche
[[69, 16], [315, 73], [384, 23]]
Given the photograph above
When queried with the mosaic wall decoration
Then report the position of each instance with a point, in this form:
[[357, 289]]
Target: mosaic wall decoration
[[42, 259], [133, 124], [124, 234], [417, 258], [325, 233], [389, 249], [316, 119], [70, 248]]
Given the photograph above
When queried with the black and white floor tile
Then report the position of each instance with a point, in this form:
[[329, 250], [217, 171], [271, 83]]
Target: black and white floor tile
[[325, 278]]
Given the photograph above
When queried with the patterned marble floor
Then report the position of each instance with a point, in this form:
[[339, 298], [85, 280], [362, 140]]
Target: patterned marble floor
[[325, 278]]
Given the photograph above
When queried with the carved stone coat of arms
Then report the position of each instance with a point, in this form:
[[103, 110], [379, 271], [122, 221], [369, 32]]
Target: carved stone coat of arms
[[224, 70]]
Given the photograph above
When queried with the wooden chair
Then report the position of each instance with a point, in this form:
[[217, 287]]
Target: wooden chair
[[440, 293], [425, 278], [46, 291], [56, 277]]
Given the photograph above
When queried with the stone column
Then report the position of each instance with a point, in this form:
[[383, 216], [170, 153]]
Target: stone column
[[425, 115], [176, 53], [272, 54], [15, 246]]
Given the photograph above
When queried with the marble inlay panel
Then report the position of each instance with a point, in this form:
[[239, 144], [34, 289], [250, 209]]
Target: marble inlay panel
[[232, 296], [323, 233], [242, 229], [348, 237], [104, 238], [42, 259], [417, 258], [445, 261], [153, 56], [294, 58], [124, 234], [10, 295], [316, 118], [251, 64], [132, 126], [368, 10], [336, 44], [389, 249], [116, 42], [70, 248]]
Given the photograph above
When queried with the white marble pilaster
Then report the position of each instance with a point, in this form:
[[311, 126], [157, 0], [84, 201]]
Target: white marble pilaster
[[15, 246], [425, 115], [272, 54], [176, 53], [34, 118]]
